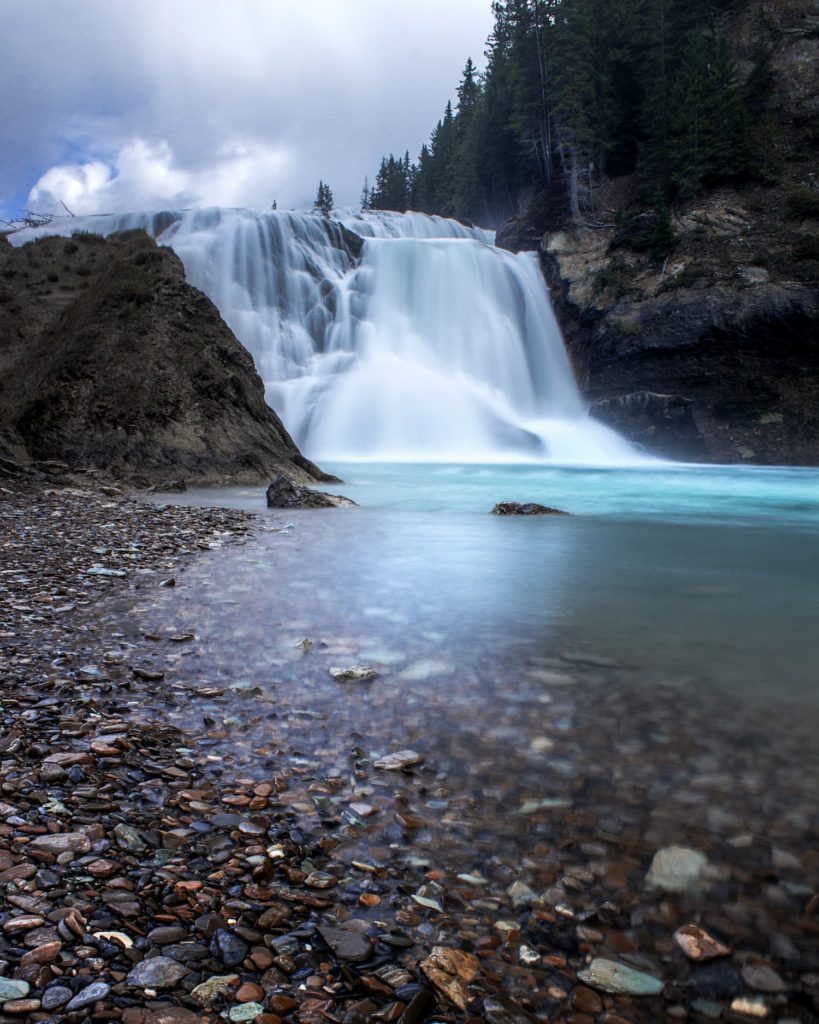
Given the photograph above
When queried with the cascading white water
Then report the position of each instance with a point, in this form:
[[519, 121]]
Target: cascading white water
[[432, 345]]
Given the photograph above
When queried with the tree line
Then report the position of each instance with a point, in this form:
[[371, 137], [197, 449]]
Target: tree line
[[574, 90]]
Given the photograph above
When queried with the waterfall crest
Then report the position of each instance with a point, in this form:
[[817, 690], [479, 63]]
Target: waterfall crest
[[387, 336]]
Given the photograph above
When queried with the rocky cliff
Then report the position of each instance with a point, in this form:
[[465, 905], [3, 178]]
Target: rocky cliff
[[111, 362], [711, 353]]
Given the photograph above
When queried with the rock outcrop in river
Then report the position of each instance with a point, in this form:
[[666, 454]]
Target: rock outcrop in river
[[710, 354], [111, 361]]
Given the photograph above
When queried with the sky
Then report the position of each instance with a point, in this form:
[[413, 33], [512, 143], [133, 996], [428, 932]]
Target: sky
[[117, 105]]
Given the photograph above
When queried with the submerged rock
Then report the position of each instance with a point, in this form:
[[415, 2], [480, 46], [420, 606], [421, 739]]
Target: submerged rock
[[676, 869], [697, 944], [346, 942], [762, 978], [718, 980], [530, 508], [353, 674], [398, 760], [284, 493], [451, 971], [609, 976]]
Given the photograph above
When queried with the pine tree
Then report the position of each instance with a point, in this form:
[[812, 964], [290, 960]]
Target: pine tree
[[575, 89], [709, 124], [576, 96], [324, 199], [443, 150], [422, 191], [467, 191]]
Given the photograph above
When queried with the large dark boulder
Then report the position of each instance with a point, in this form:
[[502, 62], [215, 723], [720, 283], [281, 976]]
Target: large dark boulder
[[110, 361], [654, 421], [284, 493]]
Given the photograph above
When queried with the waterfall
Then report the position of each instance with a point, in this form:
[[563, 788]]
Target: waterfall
[[387, 336]]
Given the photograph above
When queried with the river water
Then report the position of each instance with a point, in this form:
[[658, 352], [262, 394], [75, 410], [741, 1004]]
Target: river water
[[706, 571], [584, 690]]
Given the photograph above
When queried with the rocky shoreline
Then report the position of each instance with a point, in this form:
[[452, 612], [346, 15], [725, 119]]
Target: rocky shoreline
[[148, 878]]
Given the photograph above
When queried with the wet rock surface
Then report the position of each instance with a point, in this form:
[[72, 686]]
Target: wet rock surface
[[529, 508], [201, 843], [284, 493]]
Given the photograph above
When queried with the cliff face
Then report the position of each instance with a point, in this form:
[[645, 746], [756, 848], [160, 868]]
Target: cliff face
[[711, 354], [111, 361]]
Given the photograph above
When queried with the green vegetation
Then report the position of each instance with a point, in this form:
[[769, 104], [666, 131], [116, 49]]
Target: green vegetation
[[577, 89], [324, 201], [616, 278], [648, 231], [803, 202], [688, 277]]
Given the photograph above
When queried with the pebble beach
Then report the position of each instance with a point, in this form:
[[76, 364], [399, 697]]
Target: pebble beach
[[163, 863]]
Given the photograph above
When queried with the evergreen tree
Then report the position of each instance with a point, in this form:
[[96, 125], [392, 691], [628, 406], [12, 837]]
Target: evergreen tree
[[467, 191], [710, 128], [393, 184], [324, 199], [574, 89], [575, 97]]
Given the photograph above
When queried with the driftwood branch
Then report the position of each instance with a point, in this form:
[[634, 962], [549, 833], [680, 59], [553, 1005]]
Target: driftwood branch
[[33, 219]]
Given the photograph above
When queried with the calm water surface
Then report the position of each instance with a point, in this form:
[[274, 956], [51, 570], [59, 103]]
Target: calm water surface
[[584, 689], [711, 572]]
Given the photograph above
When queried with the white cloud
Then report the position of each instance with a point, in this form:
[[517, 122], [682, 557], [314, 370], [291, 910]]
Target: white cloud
[[145, 175], [236, 102]]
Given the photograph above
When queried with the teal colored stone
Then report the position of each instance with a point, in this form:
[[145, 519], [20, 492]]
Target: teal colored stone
[[245, 1012], [11, 988], [609, 976]]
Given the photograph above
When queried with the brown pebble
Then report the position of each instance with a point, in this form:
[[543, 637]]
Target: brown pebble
[[697, 944], [15, 1006], [24, 923], [250, 993], [282, 1004], [262, 958], [586, 1001], [43, 954], [101, 868]]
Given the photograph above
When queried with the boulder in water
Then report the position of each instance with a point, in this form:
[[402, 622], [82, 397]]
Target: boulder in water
[[284, 493], [530, 508]]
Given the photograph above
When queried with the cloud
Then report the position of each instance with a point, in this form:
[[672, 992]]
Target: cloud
[[145, 175], [110, 103]]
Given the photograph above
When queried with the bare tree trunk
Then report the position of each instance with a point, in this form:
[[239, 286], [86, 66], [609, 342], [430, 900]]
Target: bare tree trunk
[[545, 118], [574, 174]]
